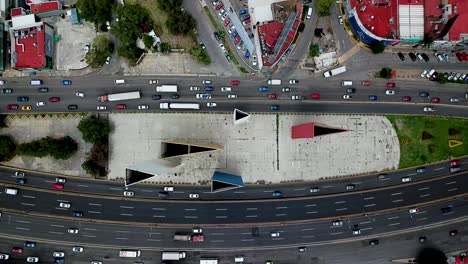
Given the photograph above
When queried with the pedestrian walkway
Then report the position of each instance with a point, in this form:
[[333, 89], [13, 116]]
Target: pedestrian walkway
[[342, 59]]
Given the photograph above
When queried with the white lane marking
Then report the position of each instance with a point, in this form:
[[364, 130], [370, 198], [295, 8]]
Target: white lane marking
[[327, 186], [411, 174], [424, 195], [22, 221], [217, 234], [252, 208], [393, 217], [28, 204], [247, 240], [178, 192], [90, 229], [206, 192], [127, 214], [452, 182], [385, 179], [122, 238], [127, 207], [336, 233], [421, 212], [221, 209], [366, 222], [339, 202], [422, 189], [221, 216], [94, 212], [277, 238], [57, 233], [29, 196], [397, 201], [369, 198], [311, 205], [191, 217], [89, 236], [239, 192], [65, 201], [49, 181], [82, 185], [94, 204], [250, 216], [113, 188], [150, 191], [159, 216], [120, 231], [58, 226], [248, 233], [311, 236], [451, 190], [22, 228], [281, 214], [308, 229], [299, 189], [441, 168], [369, 205], [60, 208], [394, 224], [267, 191], [158, 209], [342, 209], [313, 212], [151, 239], [420, 219], [216, 241], [367, 228], [282, 207], [152, 233], [190, 209], [448, 213], [398, 193]]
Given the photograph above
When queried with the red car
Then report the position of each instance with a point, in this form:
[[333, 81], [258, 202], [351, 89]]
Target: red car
[[237, 40], [121, 106], [272, 96], [12, 107], [54, 99], [17, 250], [57, 186], [246, 22], [465, 55], [227, 21], [435, 99], [315, 96], [366, 83], [235, 82], [406, 99], [454, 163], [219, 6], [460, 56], [198, 238], [390, 85]]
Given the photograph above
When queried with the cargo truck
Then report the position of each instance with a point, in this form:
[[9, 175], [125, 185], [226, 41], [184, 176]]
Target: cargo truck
[[274, 82], [119, 96], [334, 71], [166, 88], [189, 237], [129, 253], [173, 255]]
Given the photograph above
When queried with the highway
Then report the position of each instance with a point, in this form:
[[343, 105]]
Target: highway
[[110, 188], [235, 212]]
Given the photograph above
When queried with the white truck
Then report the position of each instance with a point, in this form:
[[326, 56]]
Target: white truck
[[173, 255], [119, 96], [334, 71], [129, 253], [166, 88], [179, 106], [274, 82]]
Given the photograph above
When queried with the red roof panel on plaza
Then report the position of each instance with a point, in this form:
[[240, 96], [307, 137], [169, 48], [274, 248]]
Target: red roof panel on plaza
[[381, 15], [44, 7], [16, 11], [30, 50], [303, 131]]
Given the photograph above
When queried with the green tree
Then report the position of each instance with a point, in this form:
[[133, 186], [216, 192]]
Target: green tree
[[169, 5], [7, 148], [386, 73], [62, 148], [99, 153], [94, 130], [165, 47], [427, 40], [93, 168], [377, 47], [100, 50], [200, 55], [301, 27], [96, 11], [148, 41], [314, 50], [180, 22], [323, 7]]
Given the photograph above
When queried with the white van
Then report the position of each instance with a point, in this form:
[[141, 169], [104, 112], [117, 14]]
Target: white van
[[36, 82], [346, 83], [11, 191], [309, 13], [122, 81], [239, 259]]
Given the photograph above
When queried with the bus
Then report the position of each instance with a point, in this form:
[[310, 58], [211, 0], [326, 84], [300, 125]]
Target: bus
[[334, 71], [179, 106]]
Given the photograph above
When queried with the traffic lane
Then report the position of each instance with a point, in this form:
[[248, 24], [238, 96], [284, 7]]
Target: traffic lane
[[224, 212]]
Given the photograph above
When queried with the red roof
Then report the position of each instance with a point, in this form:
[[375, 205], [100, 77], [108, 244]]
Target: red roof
[[303, 131], [44, 7], [378, 16], [30, 49], [459, 27], [16, 11]]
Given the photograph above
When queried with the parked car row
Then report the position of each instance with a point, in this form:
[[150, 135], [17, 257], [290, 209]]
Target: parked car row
[[447, 76]]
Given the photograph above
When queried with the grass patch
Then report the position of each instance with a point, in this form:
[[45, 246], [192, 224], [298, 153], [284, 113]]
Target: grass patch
[[243, 70], [424, 139], [210, 16]]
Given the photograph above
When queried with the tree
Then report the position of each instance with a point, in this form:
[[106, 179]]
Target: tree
[[323, 7], [169, 5], [99, 52], [99, 153], [314, 50], [200, 55], [7, 148], [148, 40], [301, 27], [377, 47], [180, 22], [60, 148], [427, 41], [93, 168], [386, 73], [94, 130], [96, 11], [165, 47]]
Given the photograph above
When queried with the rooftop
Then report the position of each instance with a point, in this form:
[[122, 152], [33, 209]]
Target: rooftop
[[380, 19], [29, 47], [44, 7]]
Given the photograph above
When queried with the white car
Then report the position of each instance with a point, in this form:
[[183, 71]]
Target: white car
[[87, 47], [232, 96], [101, 107], [108, 59], [194, 195], [293, 81], [413, 210], [454, 100], [78, 249], [203, 96], [340, 18], [60, 180], [128, 193], [96, 262], [197, 230], [347, 96], [224, 16], [221, 45], [41, 103], [73, 230], [4, 256], [143, 107], [225, 89], [32, 259], [19, 174], [390, 92], [58, 254], [429, 109], [168, 189], [2, 82], [406, 179], [356, 231], [221, 11], [211, 105], [80, 94], [254, 60], [108, 25], [274, 234], [194, 88], [296, 97], [337, 223], [423, 74], [64, 205], [153, 81], [285, 89], [206, 82]]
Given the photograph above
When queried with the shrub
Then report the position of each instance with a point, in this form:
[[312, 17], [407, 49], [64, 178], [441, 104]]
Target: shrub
[[426, 136], [94, 130], [7, 148], [386, 73]]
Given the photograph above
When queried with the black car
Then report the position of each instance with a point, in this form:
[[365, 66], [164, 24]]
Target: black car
[[175, 96], [43, 90], [374, 242], [77, 213], [351, 90], [446, 210], [412, 56], [228, 58], [202, 45], [163, 194], [425, 57], [21, 180], [423, 94], [401, 56], [7, 91], [72, 107], [156, 97], [216, 35], [23, 98]]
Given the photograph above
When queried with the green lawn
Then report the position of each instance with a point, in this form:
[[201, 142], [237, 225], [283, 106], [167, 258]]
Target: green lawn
[[414, 150]]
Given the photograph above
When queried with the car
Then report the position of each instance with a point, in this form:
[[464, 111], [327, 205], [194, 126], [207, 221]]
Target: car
[[4, 256], [211, 105], [12, 107], [429, 109], [22, 99], [421, 170], [347, 96], [6, 91], [356, 231], [340, 20], [263, 89], [375, 242], [254, 60], [390, 85], [26, 108], [285, 89], [73, 230], [64, 205], [459, 56], [366, 83], [276, 194], [401, 56], [268, 261], [453, 232], [405, 179], [43, 90], [373, 97], [235, 82], [79, 94], [153, 81], [224, 16], [351, 90], [221, 12], [219, 6], [350, 187], [435, 99], [17, 250], [425, 57], [203, 96], [293, 81], [87, 47], [128, 193], [337, 223], [58, 186], [314, 189], [434, 76], [216, 35], [194, 88], [274, 234], [197, 230], [2, 82], [77, 249], [168, 188], [66, 82], [457, 76], [108, 60], [297, 97], [423, 74], [382, 176], [21, 181], [275, 107], [221, 46], [156, 97], [41, 103], [58, 254], [101, 107], [272, 96], [194, 196], [412, 56], [143, 107], [228, 58], [454, 169], [422, 239], [446, 210], [413, 210], [30, 244], [54, 99], [163, 194], [19, 174], [226, 23], [439, 56], [451, 76], [302, 249], [175, 96], [206, 81], [454, 163], [32, 259], [77, 213], [389, 92], [446, 56], [72, 107], [225, 89], [315, 96], [423, 94], [202, 45], [232, 96], [406, 98], [209, 88]]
